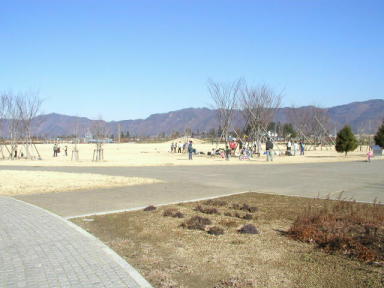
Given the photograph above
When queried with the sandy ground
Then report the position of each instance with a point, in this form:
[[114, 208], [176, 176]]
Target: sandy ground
[[133, 154], [15, 182]]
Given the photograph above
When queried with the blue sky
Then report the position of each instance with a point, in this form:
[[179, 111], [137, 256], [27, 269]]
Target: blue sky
[[128, 59]]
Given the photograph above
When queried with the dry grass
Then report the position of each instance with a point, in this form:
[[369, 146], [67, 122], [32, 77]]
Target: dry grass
[[171, 256], [18, 182], [157, 154]]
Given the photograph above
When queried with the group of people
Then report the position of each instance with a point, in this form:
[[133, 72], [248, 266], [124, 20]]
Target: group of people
[[56, 150], [182, 148], [296, 147]]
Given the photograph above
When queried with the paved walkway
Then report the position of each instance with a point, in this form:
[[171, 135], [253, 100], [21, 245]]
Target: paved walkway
[[358, 180], [39, 249]]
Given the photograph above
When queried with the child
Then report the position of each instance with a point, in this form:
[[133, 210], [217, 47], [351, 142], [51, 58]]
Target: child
[[369, 154]]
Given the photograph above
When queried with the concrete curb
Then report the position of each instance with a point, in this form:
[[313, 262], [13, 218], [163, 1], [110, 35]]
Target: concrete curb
[[132, 272]]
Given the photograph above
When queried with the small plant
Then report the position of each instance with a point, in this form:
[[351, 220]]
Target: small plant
[[215, 230], [206, 210], [229, 214], [248, 229], [172, 212], [150, 208], [196, 223]]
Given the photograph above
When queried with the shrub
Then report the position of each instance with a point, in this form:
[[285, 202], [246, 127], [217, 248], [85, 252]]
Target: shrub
[[172, 212], [248, 229], [150, 208], [346, 227], [196, 223], [229, 214], [379, 137], [345, 140], [215, 230], [244, 207], [206, 210]]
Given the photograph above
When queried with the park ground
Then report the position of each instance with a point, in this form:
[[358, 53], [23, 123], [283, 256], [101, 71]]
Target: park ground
[[157, 154], [138, 175]]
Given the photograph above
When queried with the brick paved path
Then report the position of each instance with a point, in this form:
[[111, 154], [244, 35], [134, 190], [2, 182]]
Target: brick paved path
[[39, 249]]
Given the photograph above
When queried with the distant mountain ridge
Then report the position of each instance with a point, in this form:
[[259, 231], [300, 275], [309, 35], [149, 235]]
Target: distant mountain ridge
[[364, 117]]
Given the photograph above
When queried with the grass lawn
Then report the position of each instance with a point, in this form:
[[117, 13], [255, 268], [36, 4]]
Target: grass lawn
[[169, 255]]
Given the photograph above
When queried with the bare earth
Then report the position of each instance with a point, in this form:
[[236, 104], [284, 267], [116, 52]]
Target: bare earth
[[17, 182], [133, 154]]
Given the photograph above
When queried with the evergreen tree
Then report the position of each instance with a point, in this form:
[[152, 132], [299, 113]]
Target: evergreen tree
[[345, 140], [379, 137]]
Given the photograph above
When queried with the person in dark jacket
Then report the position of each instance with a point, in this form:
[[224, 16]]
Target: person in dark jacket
[[190, 150], [269, 149]]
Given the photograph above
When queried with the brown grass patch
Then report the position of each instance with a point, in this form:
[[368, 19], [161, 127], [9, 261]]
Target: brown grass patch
[[170, 256]]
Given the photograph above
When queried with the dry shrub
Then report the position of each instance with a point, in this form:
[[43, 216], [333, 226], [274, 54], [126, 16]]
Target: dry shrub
[[206, 210], [248, 229], [150, 208], [354, 229], [172, 212], [196, 223], [245, 207], [215, 230], [216, 203]]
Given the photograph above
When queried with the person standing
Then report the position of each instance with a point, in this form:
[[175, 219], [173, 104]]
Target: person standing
[[190, 150], [289, 148], [302, 146], [55, 150], [269, 149], [66, 150], [295, 148]]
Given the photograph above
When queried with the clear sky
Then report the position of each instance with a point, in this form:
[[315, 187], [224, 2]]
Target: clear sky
[[128, 59]]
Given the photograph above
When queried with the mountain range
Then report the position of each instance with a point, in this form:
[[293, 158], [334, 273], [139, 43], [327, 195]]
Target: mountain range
[[363, 117]]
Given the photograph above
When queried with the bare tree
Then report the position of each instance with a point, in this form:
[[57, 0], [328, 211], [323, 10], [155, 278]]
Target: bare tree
[[259, 106], [99, 132], [28, 107], [225, 98], [19, 110], [312, 124]]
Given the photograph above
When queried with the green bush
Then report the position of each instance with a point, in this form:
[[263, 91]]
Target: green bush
[[345, 140], [379, 137]]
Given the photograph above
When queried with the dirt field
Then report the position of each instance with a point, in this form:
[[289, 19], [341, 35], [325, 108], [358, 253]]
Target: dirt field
[[132, 154], [17, 182], [169, 255]]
